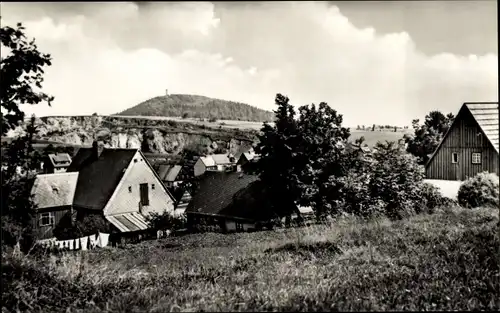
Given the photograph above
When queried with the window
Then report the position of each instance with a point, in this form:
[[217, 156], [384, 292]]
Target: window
[[454, 157], [129, 188], [144, 194], [476, 158], [47, 219], [153, 186], [239, 226]]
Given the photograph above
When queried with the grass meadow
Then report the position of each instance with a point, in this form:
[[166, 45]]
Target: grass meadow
[[444, 261]]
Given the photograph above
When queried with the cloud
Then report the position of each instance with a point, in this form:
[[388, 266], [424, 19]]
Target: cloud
[[108, 57]]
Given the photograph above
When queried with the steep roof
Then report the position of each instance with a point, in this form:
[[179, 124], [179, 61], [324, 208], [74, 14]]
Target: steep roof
[[169, 172], [60, 159], [98, 180], [217, 193], [54, 190], [486, 115], [82, 157]]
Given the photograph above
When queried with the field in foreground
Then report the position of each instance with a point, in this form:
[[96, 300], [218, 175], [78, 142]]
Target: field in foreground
[[444, 261]]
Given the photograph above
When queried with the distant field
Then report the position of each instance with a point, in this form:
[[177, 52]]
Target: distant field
[[444, 261], [371, 138]]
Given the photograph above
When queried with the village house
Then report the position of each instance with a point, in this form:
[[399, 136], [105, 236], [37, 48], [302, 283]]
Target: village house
[[53, 195], [182, 204], [120, 185], [247, 157], [470, 145], [213, 163], [226, 201], [56, 163]]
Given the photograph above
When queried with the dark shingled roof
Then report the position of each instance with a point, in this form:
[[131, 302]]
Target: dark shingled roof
[[82, 157], [97, 180], [230, 194]]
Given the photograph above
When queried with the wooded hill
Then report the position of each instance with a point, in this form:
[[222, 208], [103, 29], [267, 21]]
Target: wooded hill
[[194, 106]]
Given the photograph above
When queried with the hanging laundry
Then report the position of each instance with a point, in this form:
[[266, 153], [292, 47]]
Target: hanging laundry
[[93, 241], [77, 243], [159, 234], [60, 244], [103, 240], [71, 244], [168, 232], [84, 242]]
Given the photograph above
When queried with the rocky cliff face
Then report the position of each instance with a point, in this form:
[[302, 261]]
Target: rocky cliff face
[[157, 136]]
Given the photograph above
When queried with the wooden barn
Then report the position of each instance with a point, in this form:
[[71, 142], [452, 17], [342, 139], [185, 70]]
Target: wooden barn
[[470, 146]]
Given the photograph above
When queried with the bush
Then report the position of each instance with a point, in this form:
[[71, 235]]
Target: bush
[[480, 190], [431, 198], [166, 221], [212, 120]]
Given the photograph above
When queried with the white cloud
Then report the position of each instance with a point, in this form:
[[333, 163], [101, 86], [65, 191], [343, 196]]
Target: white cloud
[[108, 57]]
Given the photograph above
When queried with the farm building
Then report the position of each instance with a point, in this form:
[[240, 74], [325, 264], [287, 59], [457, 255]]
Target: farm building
[[470, 145], [120, 185], [247, 157], [227, 202], [213, 163], [53, 194], [56, 163]]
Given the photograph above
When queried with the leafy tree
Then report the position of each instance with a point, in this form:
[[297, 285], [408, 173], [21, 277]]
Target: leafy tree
[[299, 154], [276, 164], [21, 70], [426, 137], [373, 128], [319, 153]]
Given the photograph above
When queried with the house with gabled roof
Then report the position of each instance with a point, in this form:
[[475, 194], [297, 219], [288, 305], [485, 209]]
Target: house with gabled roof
[[227, 201], [120, 185], [213, 163], [56, 163], [53, 195], [470, 145]]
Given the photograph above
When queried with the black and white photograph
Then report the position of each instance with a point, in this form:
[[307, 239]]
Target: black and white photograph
[[253, 156]]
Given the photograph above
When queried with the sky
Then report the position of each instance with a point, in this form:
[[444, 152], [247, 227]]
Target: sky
[[383, 62]]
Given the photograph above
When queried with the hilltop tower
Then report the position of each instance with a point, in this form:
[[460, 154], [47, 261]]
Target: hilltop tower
[[166, 92]]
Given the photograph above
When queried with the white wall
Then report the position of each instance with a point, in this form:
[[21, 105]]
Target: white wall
[[124, 201]]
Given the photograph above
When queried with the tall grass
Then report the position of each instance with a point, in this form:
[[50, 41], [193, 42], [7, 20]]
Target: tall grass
[[444, 261]]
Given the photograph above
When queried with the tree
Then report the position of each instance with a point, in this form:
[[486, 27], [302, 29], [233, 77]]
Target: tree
[[21, 71], [373, 128], [299, 154], [426, 137], [319, 153], [276, 164]]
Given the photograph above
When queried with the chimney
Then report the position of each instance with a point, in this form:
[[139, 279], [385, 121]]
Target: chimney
[[97, 148]]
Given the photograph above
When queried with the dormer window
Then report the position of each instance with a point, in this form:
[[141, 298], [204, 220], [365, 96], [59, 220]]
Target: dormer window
[[129, 188]]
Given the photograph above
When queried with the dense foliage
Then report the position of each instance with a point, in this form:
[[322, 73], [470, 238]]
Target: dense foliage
[[426, 137], [198, 107], [480, 190], [21, 72], [21, 75]]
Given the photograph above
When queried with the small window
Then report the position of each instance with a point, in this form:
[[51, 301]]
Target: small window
[[47, 219], [153, 186], [129, 188], [135, 160], [239, 226], [454, 157], [476, 158]]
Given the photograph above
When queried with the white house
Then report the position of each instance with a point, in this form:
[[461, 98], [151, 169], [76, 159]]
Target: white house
[[213, 163]]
